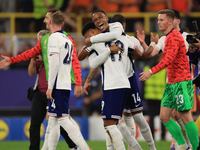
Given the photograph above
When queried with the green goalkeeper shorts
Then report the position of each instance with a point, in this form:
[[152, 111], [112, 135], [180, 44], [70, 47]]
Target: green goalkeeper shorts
[[178, 95]]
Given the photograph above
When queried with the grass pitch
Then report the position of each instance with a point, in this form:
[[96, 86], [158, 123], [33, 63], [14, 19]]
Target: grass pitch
[[94, 145]]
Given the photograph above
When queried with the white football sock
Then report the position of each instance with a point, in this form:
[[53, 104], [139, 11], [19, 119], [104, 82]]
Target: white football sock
[[145, 130], [130, 124], [115, 136], [109, 144], [45, 144], [128, 138], [183, 146], [54, 133], [74, 122], [74, 133], [175, 143], [183, 130]]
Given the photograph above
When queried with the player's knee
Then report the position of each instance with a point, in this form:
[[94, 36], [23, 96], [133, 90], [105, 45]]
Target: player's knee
[[108, 122], [164, 119], [127, 114]]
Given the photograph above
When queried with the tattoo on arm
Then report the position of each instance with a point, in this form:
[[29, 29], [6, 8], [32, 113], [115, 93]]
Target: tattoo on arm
[[92, 74]]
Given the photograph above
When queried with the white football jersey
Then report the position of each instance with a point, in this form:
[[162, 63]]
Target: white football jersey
[[115, 31], [134, 40], [112, 70], [115, 25], [124, 42], [60, 51], [161, 42]]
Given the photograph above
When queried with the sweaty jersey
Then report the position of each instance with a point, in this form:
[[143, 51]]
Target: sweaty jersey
[[112, 70], [60, 51], [41, 47], [175, 59]]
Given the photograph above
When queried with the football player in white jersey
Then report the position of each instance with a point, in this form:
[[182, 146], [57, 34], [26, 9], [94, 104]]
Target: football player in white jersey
[[133, 108], [100, 20], [114, 82], [59, 84], [155, 49]]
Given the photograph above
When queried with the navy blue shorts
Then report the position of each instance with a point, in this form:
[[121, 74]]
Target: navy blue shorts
[[134, 99], [60, 104], [113, 102]]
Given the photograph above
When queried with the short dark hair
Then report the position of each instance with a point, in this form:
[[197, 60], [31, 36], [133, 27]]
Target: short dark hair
[[98, 10], [176, 13], [87, 26], [168, 12], [118, 18]]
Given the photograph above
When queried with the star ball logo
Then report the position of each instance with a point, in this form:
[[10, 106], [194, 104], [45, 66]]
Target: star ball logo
[[4, 130], [27, 127]]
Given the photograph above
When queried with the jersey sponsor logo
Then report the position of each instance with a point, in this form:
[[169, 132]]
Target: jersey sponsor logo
[[4, 130], [52, 46]]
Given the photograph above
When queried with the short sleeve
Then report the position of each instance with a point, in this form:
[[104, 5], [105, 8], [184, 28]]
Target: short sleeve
[[161, 44]]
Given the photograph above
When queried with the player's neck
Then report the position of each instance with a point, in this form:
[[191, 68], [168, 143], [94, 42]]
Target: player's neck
[[177, 28], [168, 30], [55, 28]]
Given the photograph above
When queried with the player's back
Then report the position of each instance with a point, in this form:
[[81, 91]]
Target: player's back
[[179, 69], [112, 70], [124, 42], [60, 44]]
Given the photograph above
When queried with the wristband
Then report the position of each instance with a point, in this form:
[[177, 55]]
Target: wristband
[[150, 71], [153, 44]]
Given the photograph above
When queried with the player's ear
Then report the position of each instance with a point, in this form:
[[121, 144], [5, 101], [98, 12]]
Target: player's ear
[[62, 24], [106, 18], [179, 21]]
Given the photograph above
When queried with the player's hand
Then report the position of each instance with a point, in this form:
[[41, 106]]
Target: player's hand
[[115, 49], [86, 87], [78, 91], [192, 48], [49, 93], [5, 62], [141, 37], [154, 39], [88, 42], [145, 75], [196, 44]]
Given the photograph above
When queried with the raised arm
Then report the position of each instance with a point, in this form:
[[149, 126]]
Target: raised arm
[[151, 50], [27, 55], [115, 32]]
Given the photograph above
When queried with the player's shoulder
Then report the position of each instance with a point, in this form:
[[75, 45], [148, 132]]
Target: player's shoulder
[[185, 33], [115, 25], [45, 36], [176, 33]]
